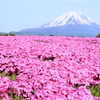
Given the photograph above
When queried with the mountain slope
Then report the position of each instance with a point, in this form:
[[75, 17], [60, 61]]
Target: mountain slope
[[71, 18], [71, 24]]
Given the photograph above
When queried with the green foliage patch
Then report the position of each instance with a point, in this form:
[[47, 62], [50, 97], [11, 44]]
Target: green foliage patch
[[11, 77], [48, 58], [95, 90], [13, 96]]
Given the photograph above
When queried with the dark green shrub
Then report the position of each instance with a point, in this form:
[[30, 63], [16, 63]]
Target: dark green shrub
[[98, 35]]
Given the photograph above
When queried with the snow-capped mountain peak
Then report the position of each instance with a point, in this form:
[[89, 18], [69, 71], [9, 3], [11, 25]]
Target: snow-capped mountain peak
[[70, 24], [73, 17]]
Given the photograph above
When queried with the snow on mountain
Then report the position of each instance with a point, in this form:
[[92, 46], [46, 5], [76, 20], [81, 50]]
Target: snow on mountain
[[73, 17]]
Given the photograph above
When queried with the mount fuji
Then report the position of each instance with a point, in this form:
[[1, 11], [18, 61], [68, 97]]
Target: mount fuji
[[73, 23]]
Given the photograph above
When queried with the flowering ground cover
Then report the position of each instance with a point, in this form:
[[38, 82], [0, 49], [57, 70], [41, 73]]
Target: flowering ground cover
[[49, 68]]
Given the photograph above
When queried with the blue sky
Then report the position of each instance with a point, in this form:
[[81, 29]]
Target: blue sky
[[16, 15]]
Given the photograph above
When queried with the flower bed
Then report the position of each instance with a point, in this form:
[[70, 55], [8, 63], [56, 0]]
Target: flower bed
[[49, 68]]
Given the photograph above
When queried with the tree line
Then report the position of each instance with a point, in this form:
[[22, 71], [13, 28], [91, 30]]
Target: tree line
[[11, 34]]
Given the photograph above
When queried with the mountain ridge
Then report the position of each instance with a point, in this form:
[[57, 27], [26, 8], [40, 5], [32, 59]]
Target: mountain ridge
[[72, 17], [72, 23]]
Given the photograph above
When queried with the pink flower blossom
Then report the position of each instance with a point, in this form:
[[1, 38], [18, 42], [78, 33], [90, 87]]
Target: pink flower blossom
[[48, 68]]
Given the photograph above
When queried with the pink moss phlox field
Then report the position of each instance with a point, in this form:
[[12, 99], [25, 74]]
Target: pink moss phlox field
[[48, 68]]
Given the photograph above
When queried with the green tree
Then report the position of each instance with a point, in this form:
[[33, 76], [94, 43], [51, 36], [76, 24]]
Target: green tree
[[12, 34], [51, 35], [98, 35]]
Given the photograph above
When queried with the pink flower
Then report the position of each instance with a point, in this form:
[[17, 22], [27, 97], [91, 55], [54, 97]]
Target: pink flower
[[4, 84], [76, 62], [5, 97]]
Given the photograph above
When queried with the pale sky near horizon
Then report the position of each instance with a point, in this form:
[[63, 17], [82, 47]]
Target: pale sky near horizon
[[16, 15]]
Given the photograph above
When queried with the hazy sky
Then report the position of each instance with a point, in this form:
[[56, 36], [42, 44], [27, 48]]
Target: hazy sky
[[16, 15]]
